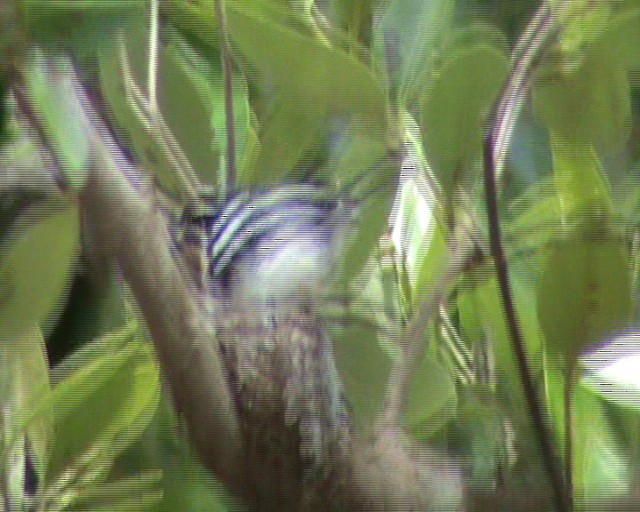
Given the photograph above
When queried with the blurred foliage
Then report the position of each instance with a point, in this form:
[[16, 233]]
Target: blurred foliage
[[330, 92]]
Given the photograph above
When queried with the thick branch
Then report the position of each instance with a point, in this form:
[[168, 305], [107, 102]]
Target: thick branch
[[126, 226]]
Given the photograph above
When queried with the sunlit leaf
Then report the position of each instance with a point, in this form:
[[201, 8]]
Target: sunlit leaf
[[611, 370]]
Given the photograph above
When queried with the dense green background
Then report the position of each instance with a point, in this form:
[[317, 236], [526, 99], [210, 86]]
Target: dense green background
[[327, 97]]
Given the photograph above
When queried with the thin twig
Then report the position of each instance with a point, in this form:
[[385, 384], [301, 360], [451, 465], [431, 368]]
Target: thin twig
[[496, 145], [227, 73], [568, 432], [156, 127], [412, 342], [152, 71]]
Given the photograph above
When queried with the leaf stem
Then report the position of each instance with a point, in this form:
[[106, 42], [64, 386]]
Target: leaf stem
[[568, 436]]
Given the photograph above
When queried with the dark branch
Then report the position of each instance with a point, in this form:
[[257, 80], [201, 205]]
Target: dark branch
[[497, 141]]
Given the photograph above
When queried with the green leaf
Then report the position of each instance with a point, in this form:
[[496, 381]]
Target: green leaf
[[49, 80], [353, 155], [371, 219], [418, 236], [407, 37], [621, 39], [362, 349], [284, 138], [139, 492], [189, 96], [195, 19], [535, 220], [432, 399], [314, 79], [355, 17], [79, 26], [584, 21], [452, 110], [584, 294], [581, 185], [600, 462], [591, 104], [413, 225], [480, 434], [35, 268], [24, 385], [134, 120], [364, 368], [599, 466], [482, 320], [192, 98], [32, 389], [304, 69], [105, 404]]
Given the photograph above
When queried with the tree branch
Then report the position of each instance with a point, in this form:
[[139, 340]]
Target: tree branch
[[127, 227]]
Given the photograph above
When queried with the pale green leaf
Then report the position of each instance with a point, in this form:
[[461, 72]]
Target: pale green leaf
[[30, 354], [49, 80], [136, 493]]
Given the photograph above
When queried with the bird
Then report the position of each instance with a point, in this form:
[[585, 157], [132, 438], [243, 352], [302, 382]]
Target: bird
[[268, 258]]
